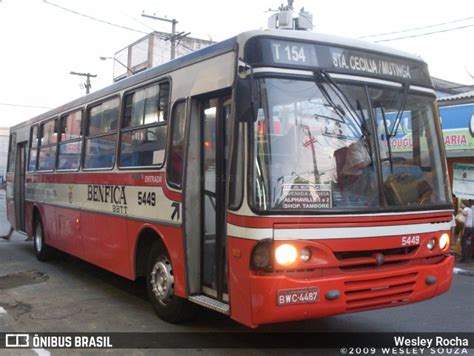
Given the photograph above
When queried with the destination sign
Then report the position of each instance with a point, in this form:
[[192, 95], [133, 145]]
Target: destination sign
[[262, 51], [287, 52], [357, 61]]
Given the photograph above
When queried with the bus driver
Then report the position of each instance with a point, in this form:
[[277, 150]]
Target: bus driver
[[357, 174]]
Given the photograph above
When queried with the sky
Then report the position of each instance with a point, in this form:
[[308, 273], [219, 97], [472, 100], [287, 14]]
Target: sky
[[40, 43]]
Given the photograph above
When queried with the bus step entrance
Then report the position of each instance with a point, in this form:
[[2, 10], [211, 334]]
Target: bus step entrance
[[210, 303]]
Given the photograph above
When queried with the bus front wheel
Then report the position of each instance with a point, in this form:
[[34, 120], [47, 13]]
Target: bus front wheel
[[160, 286], [43, 252]]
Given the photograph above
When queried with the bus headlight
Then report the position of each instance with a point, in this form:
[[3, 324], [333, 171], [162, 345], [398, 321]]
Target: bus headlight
[[431, 244], [261, 257], [286, 254], [305, 254], [444, 241]]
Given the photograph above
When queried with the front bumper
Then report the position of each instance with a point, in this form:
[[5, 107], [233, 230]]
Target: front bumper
[[357, 291]]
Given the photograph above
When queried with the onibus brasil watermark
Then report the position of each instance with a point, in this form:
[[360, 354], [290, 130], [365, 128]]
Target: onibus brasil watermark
[[56, 341]]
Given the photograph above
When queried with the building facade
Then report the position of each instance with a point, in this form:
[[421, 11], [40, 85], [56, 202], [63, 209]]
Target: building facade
[[152, 50], [457, 117]]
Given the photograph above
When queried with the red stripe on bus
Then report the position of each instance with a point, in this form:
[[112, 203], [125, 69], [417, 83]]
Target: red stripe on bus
[[129, 178], [339, 221]]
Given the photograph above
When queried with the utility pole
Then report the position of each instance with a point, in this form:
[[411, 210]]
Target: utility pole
[[173, 36], [88, 76]]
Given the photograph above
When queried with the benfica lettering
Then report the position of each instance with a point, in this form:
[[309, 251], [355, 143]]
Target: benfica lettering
[[112, 194]]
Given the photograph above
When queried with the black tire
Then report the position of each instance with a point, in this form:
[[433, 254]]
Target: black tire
[[160, 286], [43, 252]]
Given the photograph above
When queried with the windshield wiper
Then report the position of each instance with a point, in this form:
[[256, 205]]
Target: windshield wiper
[[387, 136], [365, 130], [396, 123], [398, 118], [360, 121], [323, 76], [337, 108]]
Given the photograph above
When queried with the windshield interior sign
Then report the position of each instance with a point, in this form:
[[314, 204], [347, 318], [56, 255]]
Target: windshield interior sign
[[306, 196]]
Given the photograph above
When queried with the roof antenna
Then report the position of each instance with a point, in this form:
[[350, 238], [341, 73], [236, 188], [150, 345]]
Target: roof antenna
[[284, 18]]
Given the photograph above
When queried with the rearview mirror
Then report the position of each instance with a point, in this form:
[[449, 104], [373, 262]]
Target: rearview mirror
[[245, 106]]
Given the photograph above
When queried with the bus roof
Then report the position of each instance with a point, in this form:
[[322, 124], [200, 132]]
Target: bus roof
[[328, 39], [212, 51]]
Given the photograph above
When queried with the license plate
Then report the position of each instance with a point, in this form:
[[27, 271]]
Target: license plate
[[298, 296]]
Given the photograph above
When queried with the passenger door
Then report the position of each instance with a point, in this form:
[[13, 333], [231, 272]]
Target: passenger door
[[19, 186], [214, 115], [205, 197]]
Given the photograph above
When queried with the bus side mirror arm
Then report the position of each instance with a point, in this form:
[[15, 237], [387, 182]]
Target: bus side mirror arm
[[245, 94]]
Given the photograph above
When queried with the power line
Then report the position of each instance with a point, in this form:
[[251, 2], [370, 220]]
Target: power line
[[426, 33], [419, 28], [25, 106], [93, 18], [141, 23]]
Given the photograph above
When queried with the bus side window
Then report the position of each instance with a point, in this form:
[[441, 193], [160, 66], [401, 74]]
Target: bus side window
[[47, 145], [236, 190], [12, 153], [144, 127], [175, 161], [70, 137], [101, 134], [33, 154]]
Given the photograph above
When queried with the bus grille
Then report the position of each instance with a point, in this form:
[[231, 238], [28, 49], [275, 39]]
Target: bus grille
[[379, 292], [346, 255]]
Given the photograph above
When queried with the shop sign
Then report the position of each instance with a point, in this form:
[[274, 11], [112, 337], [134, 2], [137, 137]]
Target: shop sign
[[458, 126], [463, 180]]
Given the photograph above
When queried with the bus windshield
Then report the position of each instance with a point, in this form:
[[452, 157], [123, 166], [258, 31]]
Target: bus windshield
[[319, 145]]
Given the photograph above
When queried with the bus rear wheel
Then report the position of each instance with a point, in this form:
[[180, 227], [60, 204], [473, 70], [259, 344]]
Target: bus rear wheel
[[43, 252], [160, 286]]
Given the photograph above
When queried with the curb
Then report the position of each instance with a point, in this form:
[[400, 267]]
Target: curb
[[462, 271]]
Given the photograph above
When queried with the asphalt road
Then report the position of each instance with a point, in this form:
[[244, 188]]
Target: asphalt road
[[69, 295]]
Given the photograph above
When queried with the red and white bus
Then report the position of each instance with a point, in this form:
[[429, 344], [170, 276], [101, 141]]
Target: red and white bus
[[274, 176]]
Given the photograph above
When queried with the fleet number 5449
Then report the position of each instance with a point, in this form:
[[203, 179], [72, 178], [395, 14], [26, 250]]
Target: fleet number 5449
[[410, 240]]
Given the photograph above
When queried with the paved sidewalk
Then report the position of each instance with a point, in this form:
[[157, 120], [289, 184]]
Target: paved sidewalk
[[466, 269]]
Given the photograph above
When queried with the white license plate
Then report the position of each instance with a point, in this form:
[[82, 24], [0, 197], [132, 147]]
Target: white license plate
[[298, 296]]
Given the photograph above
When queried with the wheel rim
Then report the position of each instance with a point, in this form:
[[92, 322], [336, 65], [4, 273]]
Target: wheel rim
[[39, 238], [162, 280]]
